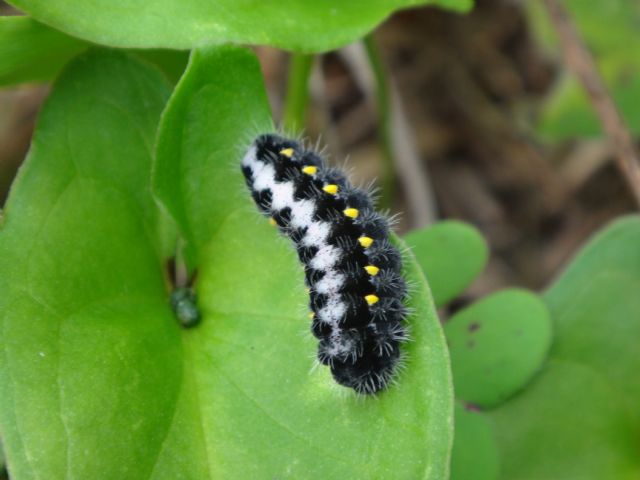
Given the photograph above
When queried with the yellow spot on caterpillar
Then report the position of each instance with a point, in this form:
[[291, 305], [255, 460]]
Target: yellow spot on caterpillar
[[311, 314], [371, 299], [372, 270], [330, 189], [366, 242], [287, 152], [272, 222], [308, 290], [310, 170], [351, 212]]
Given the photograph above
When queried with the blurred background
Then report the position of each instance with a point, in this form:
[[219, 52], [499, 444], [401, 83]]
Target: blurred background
[[484, 122]]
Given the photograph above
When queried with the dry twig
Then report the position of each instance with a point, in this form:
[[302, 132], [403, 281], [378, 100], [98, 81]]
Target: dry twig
[[414, 177], [581, 62]]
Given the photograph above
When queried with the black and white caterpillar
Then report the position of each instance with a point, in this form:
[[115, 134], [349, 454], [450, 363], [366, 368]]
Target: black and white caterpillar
[[356, 289]]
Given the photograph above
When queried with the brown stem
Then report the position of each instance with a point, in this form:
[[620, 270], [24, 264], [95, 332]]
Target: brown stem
[[581, 62]]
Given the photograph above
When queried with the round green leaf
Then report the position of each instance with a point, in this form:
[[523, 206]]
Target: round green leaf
[[452, 254], [296, 24], [497, 344], [252, 399], [579, 418], [475, 452], [90, 365]]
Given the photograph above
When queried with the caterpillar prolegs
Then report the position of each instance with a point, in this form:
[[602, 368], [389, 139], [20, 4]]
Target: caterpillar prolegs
[[353, 272]]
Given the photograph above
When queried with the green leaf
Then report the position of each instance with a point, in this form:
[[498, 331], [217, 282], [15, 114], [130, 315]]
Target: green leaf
[[583, 406], [569, 423], [91, 355], [610, 31], [497, 344], [452, 254], [596, 308], [264, 412], [171, 62], [475, 452], [96, 378], [193, 137], [295, 25], [32, 52]]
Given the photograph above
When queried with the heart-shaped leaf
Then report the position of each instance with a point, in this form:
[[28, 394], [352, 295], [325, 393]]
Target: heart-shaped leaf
[[96, 378], [296, 25], [265, 412], [452, 254], [497, 344], [91, 356], [579, 417]]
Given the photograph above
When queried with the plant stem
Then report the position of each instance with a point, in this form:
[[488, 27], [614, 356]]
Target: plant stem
[[407, 165], [581, 62], [297, 98], [181, 271], [383, 104]]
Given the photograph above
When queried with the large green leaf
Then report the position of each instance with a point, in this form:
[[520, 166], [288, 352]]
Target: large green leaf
[[264, 412], [610, 30], [294, 24], [497, 344], [98, 381], [596, 307], [583, 407], [90, 366], [451, 255], [32, 52], [569, 423]]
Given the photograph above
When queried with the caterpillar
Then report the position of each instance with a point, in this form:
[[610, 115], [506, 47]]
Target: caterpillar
[[352, 271]]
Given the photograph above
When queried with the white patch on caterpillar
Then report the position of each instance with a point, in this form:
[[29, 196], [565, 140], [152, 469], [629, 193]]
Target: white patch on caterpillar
[[250, 158], [327, 257], [333, 311], [282, 195], [264, 177], [331, 283], [317, 234], [302, 213]]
